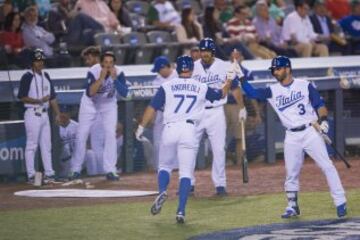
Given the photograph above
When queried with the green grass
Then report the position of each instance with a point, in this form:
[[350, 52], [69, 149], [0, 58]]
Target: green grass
[[133, 220]]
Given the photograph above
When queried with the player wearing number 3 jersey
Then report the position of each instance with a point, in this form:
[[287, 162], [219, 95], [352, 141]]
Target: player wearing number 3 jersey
[[183, 99], [298, 104]]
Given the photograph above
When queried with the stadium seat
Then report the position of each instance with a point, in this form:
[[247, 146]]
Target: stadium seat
[[195, 5], [165, 45], [138, 7], [138, 51], [106, 39]]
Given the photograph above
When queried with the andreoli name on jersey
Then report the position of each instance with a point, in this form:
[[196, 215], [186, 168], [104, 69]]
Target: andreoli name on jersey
[[185, 87], [283, 102]]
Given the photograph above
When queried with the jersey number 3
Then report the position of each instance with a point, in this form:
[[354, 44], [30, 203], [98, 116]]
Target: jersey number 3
[[301, 108], [182, 98]]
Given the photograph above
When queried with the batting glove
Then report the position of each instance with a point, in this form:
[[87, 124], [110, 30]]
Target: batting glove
[[324, 125], [139, 133], [237, 70], [242, 114]]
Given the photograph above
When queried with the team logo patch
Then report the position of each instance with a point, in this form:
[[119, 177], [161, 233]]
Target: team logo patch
[[344, 229]]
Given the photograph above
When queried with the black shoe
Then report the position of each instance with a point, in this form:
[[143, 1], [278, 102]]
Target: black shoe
[[221, 191], [111, 176]]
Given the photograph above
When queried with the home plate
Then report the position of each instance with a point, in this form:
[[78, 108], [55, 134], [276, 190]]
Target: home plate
[[83, 193]]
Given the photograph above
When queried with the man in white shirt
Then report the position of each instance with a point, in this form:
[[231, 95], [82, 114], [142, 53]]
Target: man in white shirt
[[298, 31]]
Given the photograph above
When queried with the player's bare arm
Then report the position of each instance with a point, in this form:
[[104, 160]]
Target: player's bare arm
[[148, 117], [31, 100]]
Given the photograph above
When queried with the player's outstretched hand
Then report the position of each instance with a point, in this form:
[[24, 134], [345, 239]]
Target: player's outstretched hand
[[242, 114], [139, 133]]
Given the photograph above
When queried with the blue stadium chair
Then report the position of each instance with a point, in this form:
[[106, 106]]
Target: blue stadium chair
[[164, 44], [138, 50], [138, 7], [107, 39]]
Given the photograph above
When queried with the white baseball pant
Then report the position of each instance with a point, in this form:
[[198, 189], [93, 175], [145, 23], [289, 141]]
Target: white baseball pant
[[214, 124], [37, 131], [310, 141]]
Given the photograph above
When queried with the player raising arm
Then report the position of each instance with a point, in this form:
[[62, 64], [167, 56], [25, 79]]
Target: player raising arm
[[183, 99], [298, 104]]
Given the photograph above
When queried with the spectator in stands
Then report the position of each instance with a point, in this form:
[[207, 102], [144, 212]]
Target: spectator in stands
[[224, 44], [21, 5], [37, 37], [324, 26], [275, 11], [302, 37], [99, 11], [74, 27], [44, 7], [223, 12], [338, 8], [163, 15], [241, 28], [120, 11], [13, 42], [190, 30], [269, 31], [350, 25], [5, 9], [34, 35]]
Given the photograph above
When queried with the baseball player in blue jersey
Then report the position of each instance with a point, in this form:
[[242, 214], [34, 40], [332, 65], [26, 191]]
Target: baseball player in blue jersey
[[104, 80], [37, 93], [165, 73], [299, 106], [213, 72], [183, 100]]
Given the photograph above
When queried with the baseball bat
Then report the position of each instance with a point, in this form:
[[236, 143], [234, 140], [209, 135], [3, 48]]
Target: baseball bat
[[330, 143], [244, 163]]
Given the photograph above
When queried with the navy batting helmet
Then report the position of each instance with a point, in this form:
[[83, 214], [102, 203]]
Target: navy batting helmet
[[184, 64], [207, 44], [280, 61], [38, 55]]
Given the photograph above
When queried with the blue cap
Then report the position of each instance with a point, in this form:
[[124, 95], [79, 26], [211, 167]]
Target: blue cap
[[159, 63]]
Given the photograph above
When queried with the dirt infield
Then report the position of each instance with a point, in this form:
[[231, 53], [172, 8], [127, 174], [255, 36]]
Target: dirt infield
[[264, 179]]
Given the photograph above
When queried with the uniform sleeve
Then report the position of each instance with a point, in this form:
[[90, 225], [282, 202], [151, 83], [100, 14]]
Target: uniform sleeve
[[24, 85], [90, 80], [315, 99], [260, 93], [158, 101], [52, 88], [120, 85], [213, 94]]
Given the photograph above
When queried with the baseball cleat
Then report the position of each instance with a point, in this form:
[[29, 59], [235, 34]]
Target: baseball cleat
[[49, 179], [291, 212], [111, 176], [221, 191], [74, 176], [341, 210], [180, 218], [158, 203]]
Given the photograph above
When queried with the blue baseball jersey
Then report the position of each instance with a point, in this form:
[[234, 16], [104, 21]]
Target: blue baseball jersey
[[214, 76], [295, 104], [183, 99]]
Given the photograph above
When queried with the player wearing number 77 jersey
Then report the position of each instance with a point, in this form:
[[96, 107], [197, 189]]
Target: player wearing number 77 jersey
[[298, 104], [183, 99]]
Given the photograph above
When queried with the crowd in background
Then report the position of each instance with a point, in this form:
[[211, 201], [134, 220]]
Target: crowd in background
[[259, 29]]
